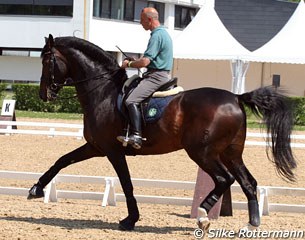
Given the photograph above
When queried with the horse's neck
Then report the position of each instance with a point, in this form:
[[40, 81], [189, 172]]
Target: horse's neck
[[89, 74], [94, 92]]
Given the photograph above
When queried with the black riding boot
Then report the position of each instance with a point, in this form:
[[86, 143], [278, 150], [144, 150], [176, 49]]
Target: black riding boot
[[135, 138]]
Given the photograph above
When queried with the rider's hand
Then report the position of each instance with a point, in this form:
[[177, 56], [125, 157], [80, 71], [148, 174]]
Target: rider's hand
[[129, 58], [125, 64]]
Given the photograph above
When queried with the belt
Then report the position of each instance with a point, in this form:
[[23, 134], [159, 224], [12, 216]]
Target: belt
[[157, 70]]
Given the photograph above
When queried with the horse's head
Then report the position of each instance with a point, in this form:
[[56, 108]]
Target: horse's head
[[54, 71]]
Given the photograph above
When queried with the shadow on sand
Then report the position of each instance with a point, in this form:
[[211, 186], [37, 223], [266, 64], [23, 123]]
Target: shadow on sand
[[91, 224]]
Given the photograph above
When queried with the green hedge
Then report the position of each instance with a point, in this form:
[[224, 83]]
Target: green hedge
[[2, 88], [299, 110], [27, 98], [299, 104]]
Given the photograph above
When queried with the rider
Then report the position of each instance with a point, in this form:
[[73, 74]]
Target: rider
[[158, 59]]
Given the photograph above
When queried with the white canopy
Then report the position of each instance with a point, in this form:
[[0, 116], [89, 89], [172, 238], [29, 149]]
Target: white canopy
[[287, 46], [207, 38]]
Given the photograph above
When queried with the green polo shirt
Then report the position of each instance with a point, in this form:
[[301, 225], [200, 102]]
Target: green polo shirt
[[160, 50]]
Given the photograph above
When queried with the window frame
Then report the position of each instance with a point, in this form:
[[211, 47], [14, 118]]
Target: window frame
[[37, 8], [131, 16], [182, 23]]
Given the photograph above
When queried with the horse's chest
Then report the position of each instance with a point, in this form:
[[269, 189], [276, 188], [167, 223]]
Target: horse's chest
[[95, 130]]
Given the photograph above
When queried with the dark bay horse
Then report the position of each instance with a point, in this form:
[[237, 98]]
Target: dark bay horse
[[210, 124]]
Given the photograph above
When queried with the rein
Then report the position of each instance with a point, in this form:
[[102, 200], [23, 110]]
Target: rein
[[54, 86]]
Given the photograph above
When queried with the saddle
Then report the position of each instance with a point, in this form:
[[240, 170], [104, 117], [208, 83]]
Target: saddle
[[152, 107]]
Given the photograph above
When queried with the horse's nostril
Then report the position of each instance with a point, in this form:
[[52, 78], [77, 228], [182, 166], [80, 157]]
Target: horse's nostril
[[53, 86]]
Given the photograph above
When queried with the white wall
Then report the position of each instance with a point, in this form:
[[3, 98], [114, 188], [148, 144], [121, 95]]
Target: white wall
[[20, 68], [130, 37], [29, 31]]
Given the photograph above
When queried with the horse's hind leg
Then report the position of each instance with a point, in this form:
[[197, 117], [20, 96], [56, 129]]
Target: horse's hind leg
[[222, 178], [82, 153], [248, 185], [247, 182]]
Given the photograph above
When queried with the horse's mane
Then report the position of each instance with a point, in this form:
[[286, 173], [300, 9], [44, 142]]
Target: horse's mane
[[91, 50]]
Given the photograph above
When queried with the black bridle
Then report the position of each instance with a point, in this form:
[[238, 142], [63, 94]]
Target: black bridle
[[53, 87]]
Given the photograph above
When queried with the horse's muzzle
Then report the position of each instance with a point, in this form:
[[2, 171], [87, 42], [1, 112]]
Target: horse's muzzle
[[51, 95]]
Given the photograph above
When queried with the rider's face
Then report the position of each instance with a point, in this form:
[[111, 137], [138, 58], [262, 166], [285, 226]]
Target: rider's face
[[145, 21]]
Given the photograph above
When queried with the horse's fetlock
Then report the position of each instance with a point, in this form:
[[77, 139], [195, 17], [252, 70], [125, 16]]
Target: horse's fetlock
[[209, 202]]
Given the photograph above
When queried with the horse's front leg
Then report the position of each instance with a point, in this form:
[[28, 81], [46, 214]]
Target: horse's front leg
[[82, 153], [118, 161]]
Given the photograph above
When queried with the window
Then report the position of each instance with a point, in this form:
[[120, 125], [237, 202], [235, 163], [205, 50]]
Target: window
[[139, 5], [128, 10], [160, 8], [117, 9], [184, 15], [105, 10], [109, 9], [37, 7]]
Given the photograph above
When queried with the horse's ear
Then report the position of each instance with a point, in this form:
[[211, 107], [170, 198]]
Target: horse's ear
[[50, 41]]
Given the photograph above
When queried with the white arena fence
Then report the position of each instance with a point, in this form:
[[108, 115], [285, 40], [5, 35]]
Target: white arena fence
[[110, 197], [45, 128], [55, 129], [264, 135]]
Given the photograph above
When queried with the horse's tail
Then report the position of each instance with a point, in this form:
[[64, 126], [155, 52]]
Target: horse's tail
[[277, 113]]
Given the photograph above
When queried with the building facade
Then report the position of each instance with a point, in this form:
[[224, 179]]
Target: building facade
[[106, 23], [115, 23]]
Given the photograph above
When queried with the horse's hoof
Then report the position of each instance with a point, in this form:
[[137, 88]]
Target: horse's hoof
[[127, 224], [249, 227], [36, 192], [203, 221], [204, 224]]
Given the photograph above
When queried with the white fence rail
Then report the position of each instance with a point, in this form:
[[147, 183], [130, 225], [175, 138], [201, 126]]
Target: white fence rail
[[49, 129], [110, 197], [264, 135], [55, 129]]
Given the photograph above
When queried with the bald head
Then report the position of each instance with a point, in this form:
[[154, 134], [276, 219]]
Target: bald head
[[151, 12], [150, 18]]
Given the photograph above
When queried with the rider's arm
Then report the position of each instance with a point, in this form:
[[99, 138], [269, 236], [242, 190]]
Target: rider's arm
[[139, 63]]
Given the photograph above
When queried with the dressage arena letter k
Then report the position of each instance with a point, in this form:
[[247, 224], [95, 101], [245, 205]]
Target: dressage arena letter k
[[7, 107]]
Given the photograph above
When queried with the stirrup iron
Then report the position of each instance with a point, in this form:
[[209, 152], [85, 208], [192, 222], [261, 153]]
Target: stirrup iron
[[126, 139]]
